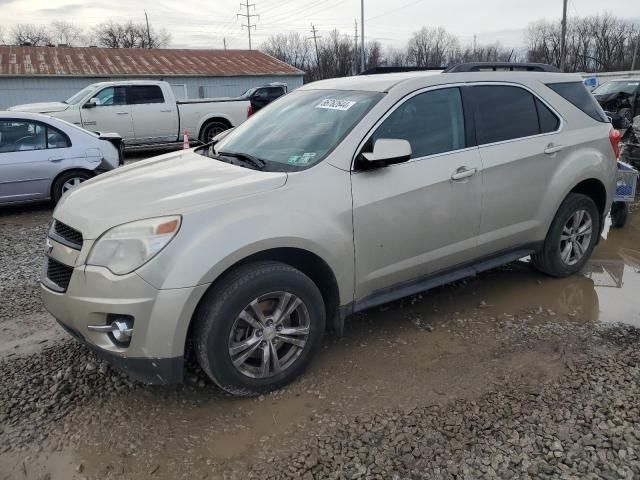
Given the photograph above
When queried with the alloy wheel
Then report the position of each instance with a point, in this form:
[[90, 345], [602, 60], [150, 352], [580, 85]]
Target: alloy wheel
[[269, 335], [576, 237]]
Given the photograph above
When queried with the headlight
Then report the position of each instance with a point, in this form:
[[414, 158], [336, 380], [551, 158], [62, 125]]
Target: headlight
[[127, 247]]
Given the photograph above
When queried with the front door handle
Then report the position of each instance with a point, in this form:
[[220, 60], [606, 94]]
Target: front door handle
[[462, 173], [553, 148], [55, 159], [122, 113], [166, 111]]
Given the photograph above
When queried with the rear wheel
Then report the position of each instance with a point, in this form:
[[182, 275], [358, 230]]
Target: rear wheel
[[571, 237], [619, 214], [259, 327], [66, 182], [211, 129]]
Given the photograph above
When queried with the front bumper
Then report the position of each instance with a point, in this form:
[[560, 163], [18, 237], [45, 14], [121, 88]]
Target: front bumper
[[161, 320]]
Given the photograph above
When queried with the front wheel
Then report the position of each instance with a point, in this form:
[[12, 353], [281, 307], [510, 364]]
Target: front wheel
[[258, 328], [571, 237]]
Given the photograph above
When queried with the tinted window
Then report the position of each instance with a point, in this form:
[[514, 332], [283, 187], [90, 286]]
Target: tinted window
[[503, 113], [20, 135], [261, 94], [548, 121], [275, 92], [140, 94], [578, 95], [111, 96], [432, 122]]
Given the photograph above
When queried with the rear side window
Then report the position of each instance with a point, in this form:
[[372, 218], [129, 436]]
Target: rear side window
[[504, 113], [275, 92], [577, 94], [142, 94], [432, 122]]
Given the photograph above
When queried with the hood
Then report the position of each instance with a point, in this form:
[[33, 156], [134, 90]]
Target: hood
[[170, 184], [46, 107]]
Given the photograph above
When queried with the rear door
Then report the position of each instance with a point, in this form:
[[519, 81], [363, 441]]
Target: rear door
[[518, 136], [110, 115], [31, 155], [422, 216], [154, 119]]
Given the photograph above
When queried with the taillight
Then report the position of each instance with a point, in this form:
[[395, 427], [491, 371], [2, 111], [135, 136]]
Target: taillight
[[250, 110], [614, 138]]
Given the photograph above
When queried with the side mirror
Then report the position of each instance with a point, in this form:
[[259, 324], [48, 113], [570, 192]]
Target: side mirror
[[388, 151], [93, 103]]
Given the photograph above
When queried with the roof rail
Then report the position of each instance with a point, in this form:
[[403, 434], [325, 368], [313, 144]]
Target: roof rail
[[377, 70], [500, 66]]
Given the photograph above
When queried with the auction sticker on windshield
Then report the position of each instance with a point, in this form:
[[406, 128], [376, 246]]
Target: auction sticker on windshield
[[335, 104]]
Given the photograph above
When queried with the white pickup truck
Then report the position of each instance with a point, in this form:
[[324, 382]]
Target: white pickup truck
[[144, 112]]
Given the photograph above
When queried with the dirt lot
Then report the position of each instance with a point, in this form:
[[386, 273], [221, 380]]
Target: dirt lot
[[507, 375]]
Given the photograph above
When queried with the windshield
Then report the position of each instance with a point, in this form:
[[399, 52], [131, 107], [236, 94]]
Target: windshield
[[247, 93], [626, 86], [80, 95], [300, 129]]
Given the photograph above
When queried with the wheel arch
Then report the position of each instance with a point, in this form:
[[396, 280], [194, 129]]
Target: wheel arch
[[309, 263]]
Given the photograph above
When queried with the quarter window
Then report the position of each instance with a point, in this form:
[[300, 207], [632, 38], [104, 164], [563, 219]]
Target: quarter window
[[548, 121], [143, 94], [504, 113], [432, 122]]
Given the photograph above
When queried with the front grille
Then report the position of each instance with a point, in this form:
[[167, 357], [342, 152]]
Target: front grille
[[71, 236], [58, 273]]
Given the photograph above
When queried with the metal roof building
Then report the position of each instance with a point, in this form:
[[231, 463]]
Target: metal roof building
[[39, 74]]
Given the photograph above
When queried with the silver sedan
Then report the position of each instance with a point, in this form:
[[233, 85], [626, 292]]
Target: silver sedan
[[42, 157]]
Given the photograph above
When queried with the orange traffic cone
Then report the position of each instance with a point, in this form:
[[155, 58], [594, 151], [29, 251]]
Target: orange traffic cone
[[185, 140]]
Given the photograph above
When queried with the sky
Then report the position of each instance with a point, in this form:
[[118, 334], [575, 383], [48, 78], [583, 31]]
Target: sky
[[204, 24]]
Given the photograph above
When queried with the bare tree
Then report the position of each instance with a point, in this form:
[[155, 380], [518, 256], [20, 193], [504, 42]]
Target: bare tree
[[394, 57], [66, 33], [291, 48], [130, 35], [373, 50], [27, 33], [431, 47]]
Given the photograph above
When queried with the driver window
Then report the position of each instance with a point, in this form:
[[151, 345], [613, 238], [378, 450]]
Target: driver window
[[110, 96], [432, 122], [17, 136]]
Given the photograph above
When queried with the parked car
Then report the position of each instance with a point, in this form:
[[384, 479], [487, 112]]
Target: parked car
[[343, 195], [620, 99], [260, 97], [42, 157], [144, 112]]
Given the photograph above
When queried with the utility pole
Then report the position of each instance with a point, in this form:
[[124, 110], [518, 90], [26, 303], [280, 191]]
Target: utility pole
[[224, 42], [355, 49], [148, 30], [362, 57], [563, 38], [248, 16], [315, 41]]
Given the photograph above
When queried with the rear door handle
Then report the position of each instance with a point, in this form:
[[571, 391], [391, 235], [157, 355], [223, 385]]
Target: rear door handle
[[122, 113], [462, 173], [553, 148], [55, 159]]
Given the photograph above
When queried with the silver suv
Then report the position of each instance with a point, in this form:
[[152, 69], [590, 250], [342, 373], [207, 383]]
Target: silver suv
[[342, 195]]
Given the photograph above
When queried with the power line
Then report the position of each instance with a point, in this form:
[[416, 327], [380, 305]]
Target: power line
[[248, 16]]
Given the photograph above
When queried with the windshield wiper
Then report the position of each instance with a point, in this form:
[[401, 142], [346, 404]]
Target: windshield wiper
[[245, 157]]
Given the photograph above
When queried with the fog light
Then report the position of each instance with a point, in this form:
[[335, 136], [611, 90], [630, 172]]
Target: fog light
[[118, 327]]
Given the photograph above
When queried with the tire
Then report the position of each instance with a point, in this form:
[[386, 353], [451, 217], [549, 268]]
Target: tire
[[61, 184], [619, 214], [212, 129], [222, 334], [627, 118], [552, 259]]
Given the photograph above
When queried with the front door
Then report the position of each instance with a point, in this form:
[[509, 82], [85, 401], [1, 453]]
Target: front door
[[417, 218], [110, 115]]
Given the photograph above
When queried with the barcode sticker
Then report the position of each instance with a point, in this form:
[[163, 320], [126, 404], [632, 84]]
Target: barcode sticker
[[334, 104]]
